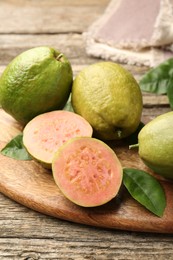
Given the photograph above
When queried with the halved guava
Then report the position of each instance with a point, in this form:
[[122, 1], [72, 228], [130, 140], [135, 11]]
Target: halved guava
[[45, 133], [87, 171]]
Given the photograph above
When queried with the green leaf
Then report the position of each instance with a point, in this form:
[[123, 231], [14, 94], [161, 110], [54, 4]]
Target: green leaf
[[158, 79], [16, 150], [145, 189]]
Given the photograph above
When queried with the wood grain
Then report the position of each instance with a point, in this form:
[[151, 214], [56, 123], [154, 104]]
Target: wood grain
[[28, 183], [26, 234], [74, 49], [56, 239], [62, 17]]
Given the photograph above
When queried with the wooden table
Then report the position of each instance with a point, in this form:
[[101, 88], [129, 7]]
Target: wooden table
[[25, 234]]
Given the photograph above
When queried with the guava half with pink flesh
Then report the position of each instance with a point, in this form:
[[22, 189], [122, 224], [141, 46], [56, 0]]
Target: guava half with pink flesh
[[87, 171], [45, 133]]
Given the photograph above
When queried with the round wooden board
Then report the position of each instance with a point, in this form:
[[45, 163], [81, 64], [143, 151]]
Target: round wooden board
[[28, 183]]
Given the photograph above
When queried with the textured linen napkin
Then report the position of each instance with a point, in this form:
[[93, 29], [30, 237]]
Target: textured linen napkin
[[137, 32]]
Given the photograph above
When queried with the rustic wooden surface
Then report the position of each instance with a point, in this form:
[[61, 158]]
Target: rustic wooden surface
[[29, 184], [26, 234]]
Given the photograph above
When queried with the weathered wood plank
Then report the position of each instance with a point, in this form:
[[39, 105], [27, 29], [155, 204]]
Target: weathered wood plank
[[25, 233], [155, 100], [48, 16], [72, 45], [27, 249]]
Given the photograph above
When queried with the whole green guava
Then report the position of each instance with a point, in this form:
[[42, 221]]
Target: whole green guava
[[36, 81], [109, 98], [156, 145]]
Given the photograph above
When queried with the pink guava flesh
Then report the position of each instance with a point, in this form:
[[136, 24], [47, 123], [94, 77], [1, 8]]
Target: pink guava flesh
[[87, 171], [44, 134]]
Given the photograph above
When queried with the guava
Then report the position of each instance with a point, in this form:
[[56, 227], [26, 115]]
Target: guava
[[36, 81], [45, 133], [155, 142], [87, 171], [109, 98]]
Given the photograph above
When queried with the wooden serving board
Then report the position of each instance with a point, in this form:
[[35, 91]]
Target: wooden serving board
[[28, 183]]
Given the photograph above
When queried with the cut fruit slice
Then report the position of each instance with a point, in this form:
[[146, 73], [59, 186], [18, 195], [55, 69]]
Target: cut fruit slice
[[87, 171], [44, 134]]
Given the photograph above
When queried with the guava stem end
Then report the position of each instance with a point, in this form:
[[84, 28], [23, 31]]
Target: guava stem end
[[59, 56], [119, 133], [133, 146]]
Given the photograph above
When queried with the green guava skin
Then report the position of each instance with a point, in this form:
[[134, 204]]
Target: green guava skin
[[156, 145], [36, 81], [109, 98]]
